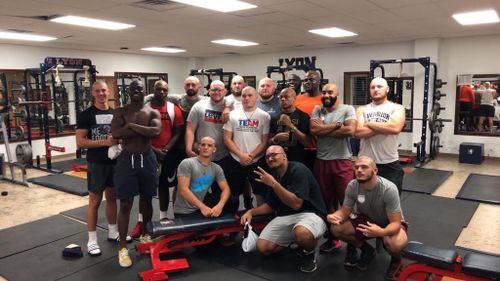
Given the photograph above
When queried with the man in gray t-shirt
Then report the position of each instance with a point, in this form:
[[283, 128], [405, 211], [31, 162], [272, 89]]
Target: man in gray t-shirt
[[371, 209], [195, 175], [333, 123]]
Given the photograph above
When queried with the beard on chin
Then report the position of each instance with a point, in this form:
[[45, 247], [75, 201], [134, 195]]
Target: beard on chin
[[365, 180], [190, 93]]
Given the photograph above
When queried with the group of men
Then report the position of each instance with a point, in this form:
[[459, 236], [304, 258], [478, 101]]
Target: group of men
[[291, 150], [478, 106]]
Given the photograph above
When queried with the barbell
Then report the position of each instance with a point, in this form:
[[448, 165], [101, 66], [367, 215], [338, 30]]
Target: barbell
[[435, 124]]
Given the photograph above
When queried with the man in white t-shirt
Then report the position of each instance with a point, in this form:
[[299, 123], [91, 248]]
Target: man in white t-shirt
[[246, 135]]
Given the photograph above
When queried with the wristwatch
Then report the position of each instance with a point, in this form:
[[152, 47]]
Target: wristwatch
[[339, 124], [293, 129]]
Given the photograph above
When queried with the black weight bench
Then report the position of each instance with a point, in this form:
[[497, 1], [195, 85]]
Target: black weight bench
[[447, 262], [182, 233]]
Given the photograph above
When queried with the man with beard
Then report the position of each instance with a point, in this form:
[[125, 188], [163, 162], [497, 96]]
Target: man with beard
[[267, 101], [306, 102], [333, 124], [233, 101], [293, 81], [371, 209], [174, 155], [379, 125], [135, 170], [295, 197], [291, 128]]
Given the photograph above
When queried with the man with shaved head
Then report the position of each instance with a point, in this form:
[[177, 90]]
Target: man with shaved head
[[233, 101], [291, 128], [295, 198], [195, 176], [267, 101], [293, 81], [371, 209], [333, 124], [379, 125]]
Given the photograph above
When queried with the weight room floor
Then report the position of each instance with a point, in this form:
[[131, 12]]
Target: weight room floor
[[23, 205]]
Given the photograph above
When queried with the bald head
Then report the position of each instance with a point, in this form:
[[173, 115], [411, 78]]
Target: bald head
[[367, 160], [192, 86], [379, 89], [266, 89], [276, 149], [208, 139]]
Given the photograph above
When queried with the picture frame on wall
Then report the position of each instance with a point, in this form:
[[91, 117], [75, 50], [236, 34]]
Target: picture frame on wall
[[250, 81]]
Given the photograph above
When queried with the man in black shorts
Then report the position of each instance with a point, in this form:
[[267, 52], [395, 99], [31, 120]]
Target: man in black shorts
[[135, 173], [93, 132]]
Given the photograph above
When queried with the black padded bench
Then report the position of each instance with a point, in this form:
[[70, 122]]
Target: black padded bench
[[181, 233], [447, 262]]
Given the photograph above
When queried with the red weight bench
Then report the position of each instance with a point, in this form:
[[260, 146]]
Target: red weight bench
[[182, 233], [433, 264]]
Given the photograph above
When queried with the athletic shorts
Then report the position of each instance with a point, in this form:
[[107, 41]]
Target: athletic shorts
[[280, 229], [486, 110], [99, 176], [136, 174], [357, 219], [393, 172], [168, 175]]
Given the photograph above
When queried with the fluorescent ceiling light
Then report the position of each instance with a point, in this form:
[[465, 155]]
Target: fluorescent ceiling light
[[333, 32], [479, 17], [89, 22], [25, 36], [224, 6], [234, 42], [164, 50]]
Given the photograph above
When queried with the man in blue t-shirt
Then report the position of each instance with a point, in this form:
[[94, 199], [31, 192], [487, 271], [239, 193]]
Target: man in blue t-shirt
[[294, 196]]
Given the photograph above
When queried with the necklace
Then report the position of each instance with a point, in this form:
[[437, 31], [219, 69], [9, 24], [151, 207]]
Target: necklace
[[248, 118]]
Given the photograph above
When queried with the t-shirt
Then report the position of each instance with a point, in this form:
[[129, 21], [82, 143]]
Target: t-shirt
[[330, 148], [382, 148], [233, 102], [307, 104], [166, 125], [185, 105], [248, 129], [293, 148], [299, 180], [466, 94], [201, 178], [272, 107], [377, 203], [98, 124], [207, 117]]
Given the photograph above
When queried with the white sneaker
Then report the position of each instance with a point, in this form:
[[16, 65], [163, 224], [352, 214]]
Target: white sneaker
[[123, 258]]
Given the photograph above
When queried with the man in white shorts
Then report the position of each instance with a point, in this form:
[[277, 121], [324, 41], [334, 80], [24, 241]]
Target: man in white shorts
[[296, 199]]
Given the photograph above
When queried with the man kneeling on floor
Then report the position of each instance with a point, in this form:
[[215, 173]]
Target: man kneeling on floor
[[378, 215], [195, 175], [296, 198]]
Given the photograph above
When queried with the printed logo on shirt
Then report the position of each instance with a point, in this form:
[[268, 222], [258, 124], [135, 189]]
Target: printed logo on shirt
[[213, 116], [248, 125], [164, 116], [378, 116], [202, 183], [361, 198], [103, 119], [100, 132]]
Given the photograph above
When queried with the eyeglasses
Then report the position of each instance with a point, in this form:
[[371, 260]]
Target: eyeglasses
[[272, 155], [216, 90]]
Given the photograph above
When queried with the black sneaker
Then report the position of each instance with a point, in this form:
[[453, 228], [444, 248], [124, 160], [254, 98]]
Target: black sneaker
[[367, 255], [330, 245], [308, 262], [351, 258], [392, 271]]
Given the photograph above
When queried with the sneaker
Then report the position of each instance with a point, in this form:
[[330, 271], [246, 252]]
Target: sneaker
[[116, 238], [330, 245], [367, 255], [137, 230], [93, 249], [308, 262], [123, 258], [145, 239], [351, 258], [392, 271]]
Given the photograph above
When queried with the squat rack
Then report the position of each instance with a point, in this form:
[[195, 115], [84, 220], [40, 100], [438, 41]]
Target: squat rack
[[435, 124]]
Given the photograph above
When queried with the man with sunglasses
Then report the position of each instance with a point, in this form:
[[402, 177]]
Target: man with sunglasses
[[294, 196]]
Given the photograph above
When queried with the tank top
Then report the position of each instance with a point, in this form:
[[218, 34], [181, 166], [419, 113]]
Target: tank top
[[487, 97], [382, 148]]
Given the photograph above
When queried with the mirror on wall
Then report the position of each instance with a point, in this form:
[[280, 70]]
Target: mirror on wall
[[477, 109]]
